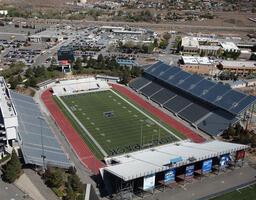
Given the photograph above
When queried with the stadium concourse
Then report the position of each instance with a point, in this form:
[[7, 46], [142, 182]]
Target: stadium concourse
[[81, 149]]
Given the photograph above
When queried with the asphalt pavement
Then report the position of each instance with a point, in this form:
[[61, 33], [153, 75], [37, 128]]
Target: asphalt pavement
[[208, 185]]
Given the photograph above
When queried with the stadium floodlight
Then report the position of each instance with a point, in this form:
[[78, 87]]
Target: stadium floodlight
[[42, 143]]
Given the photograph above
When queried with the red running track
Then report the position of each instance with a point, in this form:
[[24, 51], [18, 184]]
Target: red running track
[[172, 122], [84, 153]]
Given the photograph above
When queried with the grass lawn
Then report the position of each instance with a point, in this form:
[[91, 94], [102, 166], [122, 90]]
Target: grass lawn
[[248, 193], [113, 123]]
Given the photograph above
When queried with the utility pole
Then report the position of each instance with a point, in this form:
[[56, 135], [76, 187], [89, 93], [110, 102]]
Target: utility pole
[[42, 143]]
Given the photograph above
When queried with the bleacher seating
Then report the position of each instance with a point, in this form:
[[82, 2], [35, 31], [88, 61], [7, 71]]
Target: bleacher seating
[[140, 82], [177, 103], [163, 96], [217, 122], [195, 111], [151, 89], [34, 132], [67, 87], [192, 97]]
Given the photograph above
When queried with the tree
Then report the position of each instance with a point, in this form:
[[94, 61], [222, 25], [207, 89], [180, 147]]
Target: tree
[[13, 82], [75, 183], [19, 78], [70, 193], [78, 65], [100, 58], [29, 73], [12, 169], [126, 76], [55, 179], [155, 42], [167, 36]]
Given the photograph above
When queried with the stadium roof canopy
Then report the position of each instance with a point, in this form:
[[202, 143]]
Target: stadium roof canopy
[[149, 161], [31, 125]]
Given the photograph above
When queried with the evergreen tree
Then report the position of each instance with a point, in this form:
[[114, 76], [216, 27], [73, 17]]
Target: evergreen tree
[[55, 179], [75, 183], [70, 193], [12, 169]]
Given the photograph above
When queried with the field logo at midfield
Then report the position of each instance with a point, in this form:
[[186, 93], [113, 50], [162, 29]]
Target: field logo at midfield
[[136, 147]]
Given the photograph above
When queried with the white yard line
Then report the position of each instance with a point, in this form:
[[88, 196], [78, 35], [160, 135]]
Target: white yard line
[[167, 130], [82, 126]]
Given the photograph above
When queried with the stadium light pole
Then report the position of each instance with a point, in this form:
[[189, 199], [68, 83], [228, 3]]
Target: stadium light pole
[[141, 133], [43, 155]]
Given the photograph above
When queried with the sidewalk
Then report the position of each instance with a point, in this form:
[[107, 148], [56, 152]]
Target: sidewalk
[[25, 184]]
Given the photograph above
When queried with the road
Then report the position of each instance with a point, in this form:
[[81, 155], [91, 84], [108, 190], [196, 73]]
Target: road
[[167, 25]]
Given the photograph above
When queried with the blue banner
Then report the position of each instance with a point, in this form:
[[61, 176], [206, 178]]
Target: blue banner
[[189, 171], [169, 176], [207, 165], [224, 160]]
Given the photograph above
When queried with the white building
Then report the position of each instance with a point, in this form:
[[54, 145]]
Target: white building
[[189, 44], [229, 46], [8, 120]]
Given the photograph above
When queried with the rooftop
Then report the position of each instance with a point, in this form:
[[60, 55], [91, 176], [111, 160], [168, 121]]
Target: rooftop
[[190, 42], [196, 60], [142, 163], [216, 48], [227, 46], [7, 107], [228, 63]]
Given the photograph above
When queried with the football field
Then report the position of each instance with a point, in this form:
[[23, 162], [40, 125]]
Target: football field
[[113, 123]]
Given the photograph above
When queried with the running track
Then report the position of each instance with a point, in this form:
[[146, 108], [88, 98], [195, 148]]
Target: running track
[[74, 139], [172, 122]]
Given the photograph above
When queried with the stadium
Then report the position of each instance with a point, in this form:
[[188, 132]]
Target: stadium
[[154, 133]]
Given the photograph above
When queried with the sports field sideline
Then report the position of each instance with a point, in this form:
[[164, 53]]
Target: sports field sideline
[[116, 126]]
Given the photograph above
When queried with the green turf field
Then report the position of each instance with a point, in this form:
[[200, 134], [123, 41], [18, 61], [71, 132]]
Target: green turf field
[[113, 123], [248, 193]]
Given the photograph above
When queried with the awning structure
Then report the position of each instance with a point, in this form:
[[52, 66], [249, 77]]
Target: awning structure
[[157, 159]]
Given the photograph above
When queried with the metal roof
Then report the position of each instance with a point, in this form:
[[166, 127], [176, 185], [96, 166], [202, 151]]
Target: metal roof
[[149, 161]]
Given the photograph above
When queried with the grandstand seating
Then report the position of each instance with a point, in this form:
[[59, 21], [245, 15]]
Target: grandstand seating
[[163, 96], [140, 82], [177, 103], [79, 85], [217, 122], [195, 111], [192, 97], [151, 89], [30, 129]]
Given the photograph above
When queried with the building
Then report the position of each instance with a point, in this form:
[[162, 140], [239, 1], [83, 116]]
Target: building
[[113, 79], [8, 120], [209, 50], [66, 53], [245, 54], [189, 44], [229, 46], [112, 28], [195, 64], [238, 67], [46, 36], [65, 67], [168, 165]]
